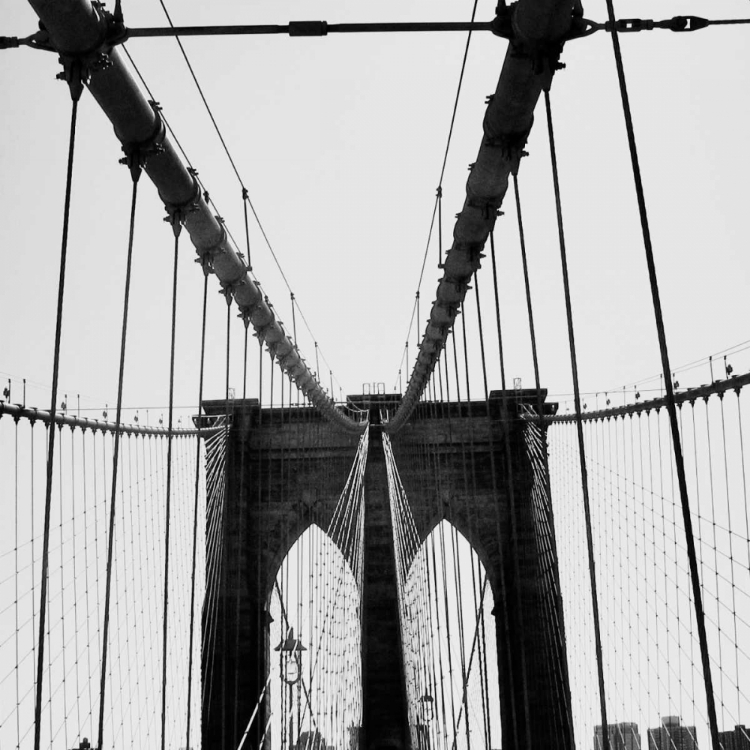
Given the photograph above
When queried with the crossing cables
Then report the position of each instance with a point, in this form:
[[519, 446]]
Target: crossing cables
[[667, 373], [529, 64]]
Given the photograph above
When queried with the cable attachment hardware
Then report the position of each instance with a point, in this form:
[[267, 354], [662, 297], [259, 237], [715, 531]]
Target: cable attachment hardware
[[511, 145], [488, 206], [515, 162], [677, 23], [175, 216], [685, 23], [204, 258], [245, 314], [177, 212], [80, 65], [502, 24], [75, 74], [137, 154], [217, 248], [115, 30], [544, 57], [38, 40], [629, 25], [226, 290]]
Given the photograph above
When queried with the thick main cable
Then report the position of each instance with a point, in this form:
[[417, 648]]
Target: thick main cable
[[245, 194], [506, 126], [132, 115]]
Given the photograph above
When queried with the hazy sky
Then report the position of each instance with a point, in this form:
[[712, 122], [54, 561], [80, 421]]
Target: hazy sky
[[340, 142]]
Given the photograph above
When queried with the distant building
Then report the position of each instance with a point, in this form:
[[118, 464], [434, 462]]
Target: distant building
[[354, 735], [735, 739], [311, 741], [622, 736], [672, 735]]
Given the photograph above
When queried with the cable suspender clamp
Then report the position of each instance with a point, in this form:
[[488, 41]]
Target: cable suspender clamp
[[79, 65], [515, 163], [244, 315], [511, 145], [176, 212], [543, 55], [138, 153], [204, 259], [175, 216], [75, 74], [488, 206], [226, 290]]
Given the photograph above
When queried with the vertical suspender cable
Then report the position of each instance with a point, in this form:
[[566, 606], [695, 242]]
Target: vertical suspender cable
[[527, 284], [135, 172], [246, 321], [579, 426], [294, 319], [51, 433], [245, 199], [510, 483], [667, 372], [176, 228], [542, 426], [416, 327], [222, 604], [440, 226], [15, 555], [515, 710], [195, 508]]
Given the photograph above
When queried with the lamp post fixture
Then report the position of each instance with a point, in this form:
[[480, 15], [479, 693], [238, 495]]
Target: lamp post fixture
[[426, 715], [290, 666], [426, 708]]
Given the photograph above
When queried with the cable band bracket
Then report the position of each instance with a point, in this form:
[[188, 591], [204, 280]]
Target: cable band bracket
[[138, 153], [176, 212]]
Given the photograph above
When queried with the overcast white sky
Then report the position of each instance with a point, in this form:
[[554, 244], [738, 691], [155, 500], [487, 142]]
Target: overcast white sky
[[340, 142]]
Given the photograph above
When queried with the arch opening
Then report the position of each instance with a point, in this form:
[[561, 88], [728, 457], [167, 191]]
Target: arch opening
[[450, 646], [314, 693]]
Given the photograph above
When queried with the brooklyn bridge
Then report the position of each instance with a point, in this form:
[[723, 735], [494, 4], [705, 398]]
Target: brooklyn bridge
[[507, 508]]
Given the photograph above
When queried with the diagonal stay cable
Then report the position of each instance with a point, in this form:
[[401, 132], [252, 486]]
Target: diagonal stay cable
[[232, 162], [458, 95], [438, 196], [202, 95]]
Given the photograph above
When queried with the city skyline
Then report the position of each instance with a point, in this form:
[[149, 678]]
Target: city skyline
[[670, 735]]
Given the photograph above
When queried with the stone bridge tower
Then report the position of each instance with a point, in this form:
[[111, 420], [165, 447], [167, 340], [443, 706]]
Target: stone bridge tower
[[480, 466]]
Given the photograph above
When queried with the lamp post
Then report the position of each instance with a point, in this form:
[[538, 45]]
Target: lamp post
[[290, 666], [426, 715]]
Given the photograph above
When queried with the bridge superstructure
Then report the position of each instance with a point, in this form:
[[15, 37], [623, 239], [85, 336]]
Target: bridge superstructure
[[611, 545]]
